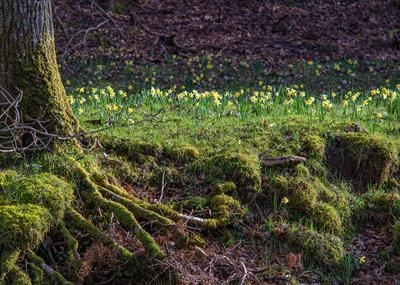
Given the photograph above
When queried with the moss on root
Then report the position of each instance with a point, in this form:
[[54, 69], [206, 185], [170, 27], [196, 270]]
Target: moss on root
[[364, 160]]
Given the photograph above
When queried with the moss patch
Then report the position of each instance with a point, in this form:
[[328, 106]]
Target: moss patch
[[326, 218], [378, 207], [183, 154], [322, 249], [242, 169], [302, 195], [312, 146], [361, 159], [132, 150], [23, 226], [43, 189]]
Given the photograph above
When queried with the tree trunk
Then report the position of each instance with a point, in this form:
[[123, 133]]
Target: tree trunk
[[28, 63]]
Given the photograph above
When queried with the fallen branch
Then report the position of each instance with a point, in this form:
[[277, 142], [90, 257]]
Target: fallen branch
[[283, 160]]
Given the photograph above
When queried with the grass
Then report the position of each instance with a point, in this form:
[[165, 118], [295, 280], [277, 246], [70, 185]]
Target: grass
[[192, 134], [200, 88]]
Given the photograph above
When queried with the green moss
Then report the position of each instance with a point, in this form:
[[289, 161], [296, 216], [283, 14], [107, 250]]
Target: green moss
[[8, 260], [378, 206], [337, 196], [43, 189], [23, 226], [362, 159], [312, 146], [280, 182], [196, 240], [396, 237], [168, 175], [119, 168], [242, 169], [302, 170], [302, 195], [195, 203], [326, 218], [36, 273], [132, 150], [228, 188], [322, 249], [226, 207], [183, 154], [36, 74], [225, 210]]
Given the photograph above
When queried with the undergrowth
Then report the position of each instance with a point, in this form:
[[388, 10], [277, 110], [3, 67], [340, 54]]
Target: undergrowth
[[174, 171]]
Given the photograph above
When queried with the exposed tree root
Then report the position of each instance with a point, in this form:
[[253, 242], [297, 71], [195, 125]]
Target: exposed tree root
[[39, 262], [80, 222], [94, 190]]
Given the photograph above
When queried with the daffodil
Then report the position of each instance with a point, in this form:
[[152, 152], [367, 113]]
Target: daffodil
[[309, 101], [327, 105]]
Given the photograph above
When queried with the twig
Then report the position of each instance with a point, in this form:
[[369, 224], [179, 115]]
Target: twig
[[241, 282], [85, 34], [162, 187], [101, 10]]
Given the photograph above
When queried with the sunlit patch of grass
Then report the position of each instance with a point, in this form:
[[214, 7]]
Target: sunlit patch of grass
[[380, 106]]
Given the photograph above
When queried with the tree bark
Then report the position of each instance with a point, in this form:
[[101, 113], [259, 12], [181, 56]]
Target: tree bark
[[28, 63]]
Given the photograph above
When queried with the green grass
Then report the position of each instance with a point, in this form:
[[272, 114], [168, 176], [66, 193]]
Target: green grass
[[195, 126]]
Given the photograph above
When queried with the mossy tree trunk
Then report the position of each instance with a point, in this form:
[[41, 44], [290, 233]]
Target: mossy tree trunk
[[28, 63]]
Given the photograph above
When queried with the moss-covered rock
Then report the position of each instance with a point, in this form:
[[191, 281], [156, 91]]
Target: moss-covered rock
[[362, 159], [43, 189], [322, 249], [23, 226], [337, 196]]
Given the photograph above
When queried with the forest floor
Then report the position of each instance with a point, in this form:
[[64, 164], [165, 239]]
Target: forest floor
[[191, 83], [278, 32]]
